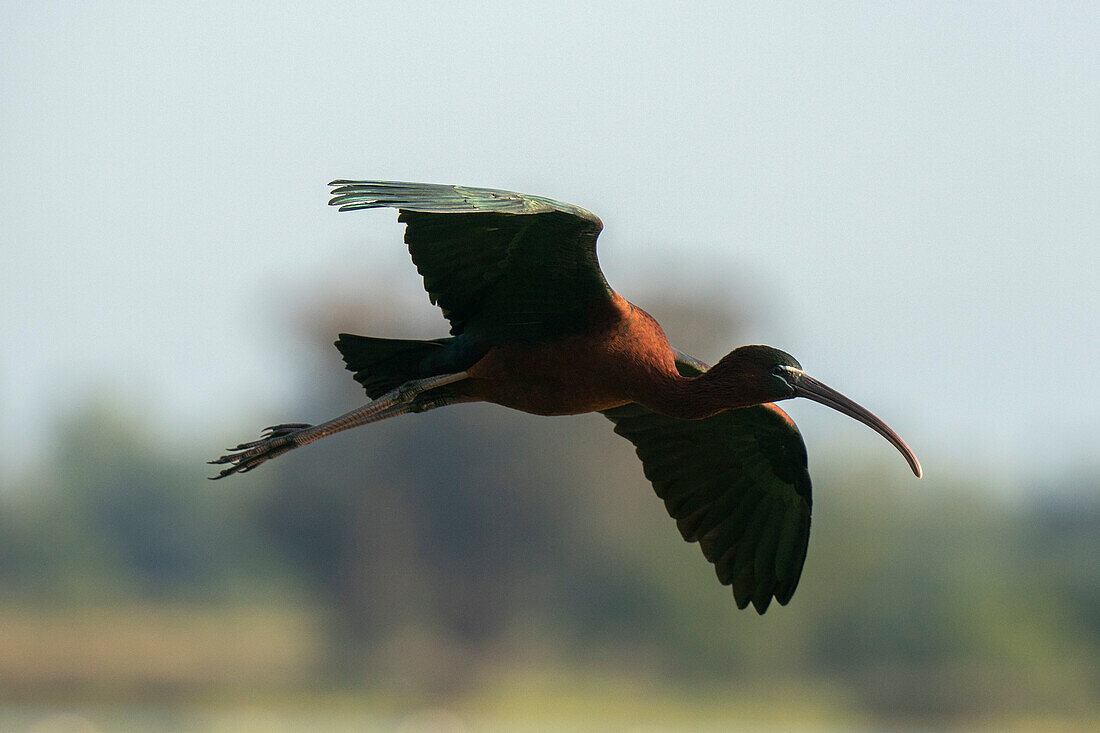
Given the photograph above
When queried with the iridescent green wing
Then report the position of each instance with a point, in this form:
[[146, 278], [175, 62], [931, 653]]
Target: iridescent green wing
[[501, 265], [735, 482]]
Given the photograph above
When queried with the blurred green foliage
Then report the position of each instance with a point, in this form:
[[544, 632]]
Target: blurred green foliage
[[435, 552]]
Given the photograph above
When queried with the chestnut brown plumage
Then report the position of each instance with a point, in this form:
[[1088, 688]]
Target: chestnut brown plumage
[[536, 327]]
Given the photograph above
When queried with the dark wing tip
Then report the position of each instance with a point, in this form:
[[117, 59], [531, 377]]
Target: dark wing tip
[[742, 589], [761, 600]]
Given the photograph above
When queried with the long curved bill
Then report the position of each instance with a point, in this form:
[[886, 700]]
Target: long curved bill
[[808, 387]]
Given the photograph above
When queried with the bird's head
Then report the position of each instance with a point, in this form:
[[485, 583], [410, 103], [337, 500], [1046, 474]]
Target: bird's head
[[775, 375]]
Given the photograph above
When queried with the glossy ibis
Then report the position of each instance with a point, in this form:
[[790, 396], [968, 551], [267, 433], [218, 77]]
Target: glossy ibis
[[536, 327]]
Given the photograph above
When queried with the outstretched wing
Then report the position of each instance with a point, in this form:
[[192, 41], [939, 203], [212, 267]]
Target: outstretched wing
[[737, 483], [501, 265]]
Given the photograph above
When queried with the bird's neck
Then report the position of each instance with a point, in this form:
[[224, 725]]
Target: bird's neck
[[694, 398]]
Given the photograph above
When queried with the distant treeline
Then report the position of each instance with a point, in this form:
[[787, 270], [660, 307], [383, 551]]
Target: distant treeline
[[490, 536]]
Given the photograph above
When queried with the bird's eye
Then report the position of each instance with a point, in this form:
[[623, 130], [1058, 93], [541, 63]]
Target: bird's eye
[[777, 370]]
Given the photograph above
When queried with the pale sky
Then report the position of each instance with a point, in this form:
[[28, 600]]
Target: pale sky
[[912, 190]]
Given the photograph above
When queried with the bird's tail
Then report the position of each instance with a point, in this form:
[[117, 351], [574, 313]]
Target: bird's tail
[[381, 364]]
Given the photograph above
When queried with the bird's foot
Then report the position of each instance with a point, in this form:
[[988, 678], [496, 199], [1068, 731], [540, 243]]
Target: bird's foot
[[274, 441]]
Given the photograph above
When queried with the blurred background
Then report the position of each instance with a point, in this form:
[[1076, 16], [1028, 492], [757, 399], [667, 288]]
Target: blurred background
[[902, 195]]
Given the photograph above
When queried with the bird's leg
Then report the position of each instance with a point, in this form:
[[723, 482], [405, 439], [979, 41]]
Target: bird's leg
[[279, 439]]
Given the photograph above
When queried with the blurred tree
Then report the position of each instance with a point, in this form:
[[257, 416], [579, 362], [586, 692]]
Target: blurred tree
[[1062, 529], [444, 543], [114, 516]]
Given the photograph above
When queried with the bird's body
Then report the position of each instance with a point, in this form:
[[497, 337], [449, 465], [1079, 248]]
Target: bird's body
[[535, 327], [620, 358]]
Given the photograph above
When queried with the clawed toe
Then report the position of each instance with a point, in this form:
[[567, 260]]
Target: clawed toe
[[286, 428], [247, 456]]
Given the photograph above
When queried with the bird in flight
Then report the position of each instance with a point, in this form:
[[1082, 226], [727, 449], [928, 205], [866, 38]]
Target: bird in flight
[[536, 327]]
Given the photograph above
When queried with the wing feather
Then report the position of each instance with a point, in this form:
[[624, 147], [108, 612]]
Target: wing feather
[[500, 265], [735, 482]]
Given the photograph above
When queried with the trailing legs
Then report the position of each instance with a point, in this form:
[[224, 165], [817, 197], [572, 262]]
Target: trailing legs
[[279, 439]]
